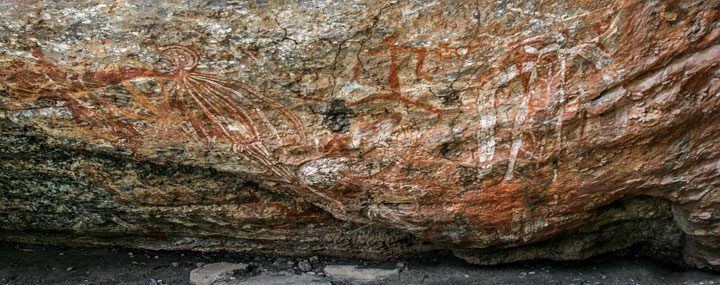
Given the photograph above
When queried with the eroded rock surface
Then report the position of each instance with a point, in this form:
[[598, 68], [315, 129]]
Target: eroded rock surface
[[500, 130]]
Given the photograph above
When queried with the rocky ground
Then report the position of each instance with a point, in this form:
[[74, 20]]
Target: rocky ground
[[32, 264]]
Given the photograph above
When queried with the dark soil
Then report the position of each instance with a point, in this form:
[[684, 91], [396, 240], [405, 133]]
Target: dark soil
[[33, 264]]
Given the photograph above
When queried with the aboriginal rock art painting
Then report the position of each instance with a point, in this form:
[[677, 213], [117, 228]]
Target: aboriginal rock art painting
[[393, 49], [227, 110], [515, 88], [217, 109], [542, 65]]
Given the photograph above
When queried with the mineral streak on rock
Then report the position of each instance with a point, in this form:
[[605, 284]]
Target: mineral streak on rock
[[502, 131]]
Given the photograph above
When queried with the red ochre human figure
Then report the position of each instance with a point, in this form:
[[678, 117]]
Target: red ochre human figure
[[393, 80], [42, 79], [218, 109], [229, 109], [225, 109]]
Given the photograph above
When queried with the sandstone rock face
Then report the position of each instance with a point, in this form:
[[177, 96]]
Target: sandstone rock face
[[500, 130]]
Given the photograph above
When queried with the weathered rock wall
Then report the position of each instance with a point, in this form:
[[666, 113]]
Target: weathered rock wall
[[500, 130]]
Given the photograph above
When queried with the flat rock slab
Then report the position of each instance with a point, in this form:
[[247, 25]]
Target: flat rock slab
[[211, 273], [352, 273], [281, 280]]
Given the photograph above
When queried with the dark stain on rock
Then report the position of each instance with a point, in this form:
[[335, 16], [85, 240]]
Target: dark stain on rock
[[468, 177], [337, 116], [449, 96], [454, 148], [534, 201]]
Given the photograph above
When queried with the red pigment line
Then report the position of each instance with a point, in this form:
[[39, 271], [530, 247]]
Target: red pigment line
[[310, 98], [218, 95], [397, 98], [589, 62], [112, 77]]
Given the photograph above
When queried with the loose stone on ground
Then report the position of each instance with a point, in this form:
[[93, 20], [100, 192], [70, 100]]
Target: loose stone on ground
[[352, 273], [211, 273]]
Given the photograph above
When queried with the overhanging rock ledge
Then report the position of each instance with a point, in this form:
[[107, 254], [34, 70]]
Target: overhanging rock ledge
[[499, 130]]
